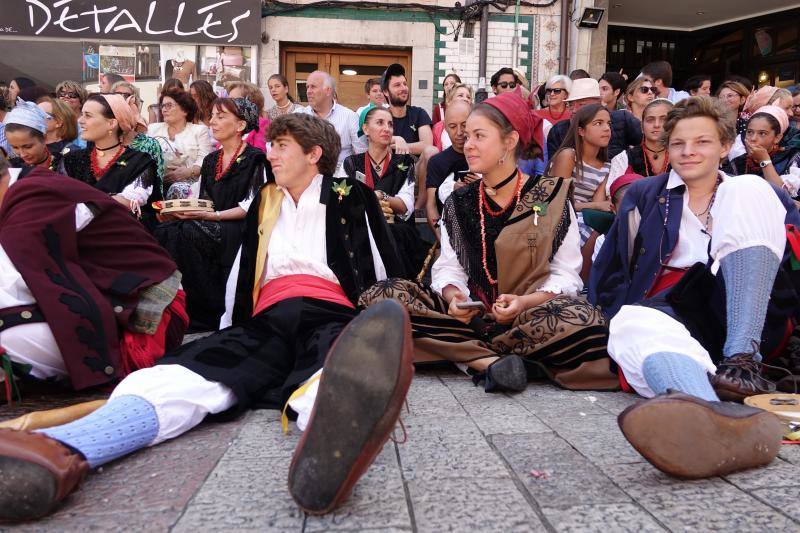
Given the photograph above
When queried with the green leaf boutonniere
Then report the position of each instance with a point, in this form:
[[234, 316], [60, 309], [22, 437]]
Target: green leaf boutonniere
[[342, 189], [239, 159], [539, 209], [401, 167]]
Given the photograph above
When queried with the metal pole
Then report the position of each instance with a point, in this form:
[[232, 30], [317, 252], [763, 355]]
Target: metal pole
[[563, 59], [481, 93], [515, 39]]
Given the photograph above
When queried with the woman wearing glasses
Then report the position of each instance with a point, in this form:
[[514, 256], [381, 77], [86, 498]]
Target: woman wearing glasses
[[734, 95], [74, 95], [183, 143], [556, 92], [639, 93]]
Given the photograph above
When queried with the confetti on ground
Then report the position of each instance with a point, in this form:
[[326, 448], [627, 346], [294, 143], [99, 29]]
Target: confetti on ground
[[538, 474]]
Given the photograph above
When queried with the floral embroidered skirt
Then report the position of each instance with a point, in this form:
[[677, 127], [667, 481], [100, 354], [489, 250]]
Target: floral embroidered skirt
[[563, 339]]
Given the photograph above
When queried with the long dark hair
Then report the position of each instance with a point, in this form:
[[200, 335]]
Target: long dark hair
[[281, 78], [573, 140], [205, 99], [444, 93]]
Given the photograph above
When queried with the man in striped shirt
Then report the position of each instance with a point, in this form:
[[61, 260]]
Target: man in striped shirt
[[320, 87]]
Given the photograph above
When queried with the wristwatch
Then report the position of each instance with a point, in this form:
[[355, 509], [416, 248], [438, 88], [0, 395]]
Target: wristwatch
[[764, 164]]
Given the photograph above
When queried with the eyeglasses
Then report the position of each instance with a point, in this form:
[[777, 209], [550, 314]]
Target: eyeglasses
[[67, 95], [645, 90], [796, 106], [167, 106], [554, 91], [507, 84], [123, 93]]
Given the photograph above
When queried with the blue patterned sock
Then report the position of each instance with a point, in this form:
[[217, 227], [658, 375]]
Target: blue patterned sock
[[122, 426], [666, 370], [749, 276]]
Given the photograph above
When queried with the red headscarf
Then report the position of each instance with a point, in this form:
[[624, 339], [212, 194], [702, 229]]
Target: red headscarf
[[519, 113]]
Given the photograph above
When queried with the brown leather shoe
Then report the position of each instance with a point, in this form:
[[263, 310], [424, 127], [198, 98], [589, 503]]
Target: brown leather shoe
[[36, 472], [740, 376], [690, 438], [364, 383]]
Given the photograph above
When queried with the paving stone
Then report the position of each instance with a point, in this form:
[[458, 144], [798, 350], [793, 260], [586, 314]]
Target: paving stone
[[247, 489], [776, 474], [598, 438], [704, 505], [378, 501], [440, 448], [572, 479], [602, 518], [784, 499], [790, 453], [485, 504], [550, 403]]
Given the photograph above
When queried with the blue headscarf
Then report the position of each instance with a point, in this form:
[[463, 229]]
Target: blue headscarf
[[28, 114]]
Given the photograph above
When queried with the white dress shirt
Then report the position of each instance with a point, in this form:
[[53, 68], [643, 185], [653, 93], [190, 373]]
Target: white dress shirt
[[297, 245], [565, 267], [345, 121]]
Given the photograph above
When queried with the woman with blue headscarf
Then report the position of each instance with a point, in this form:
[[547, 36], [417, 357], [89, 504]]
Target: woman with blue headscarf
[[25, 129]]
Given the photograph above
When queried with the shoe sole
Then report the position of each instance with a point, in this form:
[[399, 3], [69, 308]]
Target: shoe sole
[[356, 407], [691, 441], [27, 490]]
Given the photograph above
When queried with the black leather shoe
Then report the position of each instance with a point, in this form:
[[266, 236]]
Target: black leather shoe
[[507, 374], [740, 376]]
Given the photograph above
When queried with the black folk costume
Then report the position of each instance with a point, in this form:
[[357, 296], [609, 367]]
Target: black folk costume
[[93, 294], [205, 249], [395, 177], [132, 175], [533, 246]]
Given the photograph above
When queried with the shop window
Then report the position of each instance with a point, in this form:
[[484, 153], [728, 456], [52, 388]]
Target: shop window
[[305, 67], [119, 60], [148, 61], [91, 62], [222, 64]]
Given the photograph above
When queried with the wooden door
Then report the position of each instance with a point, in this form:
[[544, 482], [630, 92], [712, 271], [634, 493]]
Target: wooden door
[[350, 68]]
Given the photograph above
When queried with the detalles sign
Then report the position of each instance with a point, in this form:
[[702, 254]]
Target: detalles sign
[[196, 21]]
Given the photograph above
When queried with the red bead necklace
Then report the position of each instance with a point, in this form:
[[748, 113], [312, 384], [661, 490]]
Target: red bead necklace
[[219, 172], [648, 170], [100, 172], [484, 204]]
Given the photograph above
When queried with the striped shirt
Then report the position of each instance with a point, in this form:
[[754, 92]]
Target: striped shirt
[[584, 191], [345, 121]]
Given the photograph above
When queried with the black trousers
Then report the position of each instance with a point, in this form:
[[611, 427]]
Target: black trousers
[[266, 358]]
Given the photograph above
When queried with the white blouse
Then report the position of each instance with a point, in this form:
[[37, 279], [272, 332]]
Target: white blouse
[[564, 275], [187, 149]]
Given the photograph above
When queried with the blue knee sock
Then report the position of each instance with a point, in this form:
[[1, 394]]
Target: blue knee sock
[[749, 276], [122, 426], [665, 370]]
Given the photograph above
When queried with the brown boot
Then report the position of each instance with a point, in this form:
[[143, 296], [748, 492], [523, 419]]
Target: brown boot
[[690, 438], [364, 383], [36, 472], [740, 376]]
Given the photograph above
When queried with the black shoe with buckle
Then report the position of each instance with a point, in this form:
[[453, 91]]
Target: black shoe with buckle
[[740, 376]]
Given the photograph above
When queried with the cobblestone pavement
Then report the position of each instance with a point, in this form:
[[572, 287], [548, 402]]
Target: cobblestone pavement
[[467, 465]]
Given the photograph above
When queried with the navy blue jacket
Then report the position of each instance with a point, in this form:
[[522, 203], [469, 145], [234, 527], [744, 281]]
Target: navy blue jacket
[[622, 277], [626, 130]]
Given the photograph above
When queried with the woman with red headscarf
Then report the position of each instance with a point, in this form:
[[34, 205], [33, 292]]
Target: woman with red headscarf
[[504, 296]]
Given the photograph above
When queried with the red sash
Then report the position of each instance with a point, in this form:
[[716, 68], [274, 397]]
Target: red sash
[[299, 286]]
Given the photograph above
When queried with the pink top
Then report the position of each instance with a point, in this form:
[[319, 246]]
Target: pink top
[[258, 139]]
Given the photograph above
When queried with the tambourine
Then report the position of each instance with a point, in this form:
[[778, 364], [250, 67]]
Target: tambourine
[[784, 406], [178, 206]]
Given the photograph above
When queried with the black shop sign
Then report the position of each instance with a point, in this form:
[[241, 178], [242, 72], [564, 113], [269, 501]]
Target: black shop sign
[[195, 21]]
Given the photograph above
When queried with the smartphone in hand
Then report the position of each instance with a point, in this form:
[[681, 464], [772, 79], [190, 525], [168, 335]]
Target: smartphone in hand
[[471, 305]]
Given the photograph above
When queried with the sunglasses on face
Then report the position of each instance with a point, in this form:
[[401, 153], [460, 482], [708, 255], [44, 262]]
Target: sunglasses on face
[[645, 90], [123, 93], [554, 91], [507, 84], [67, 95]]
